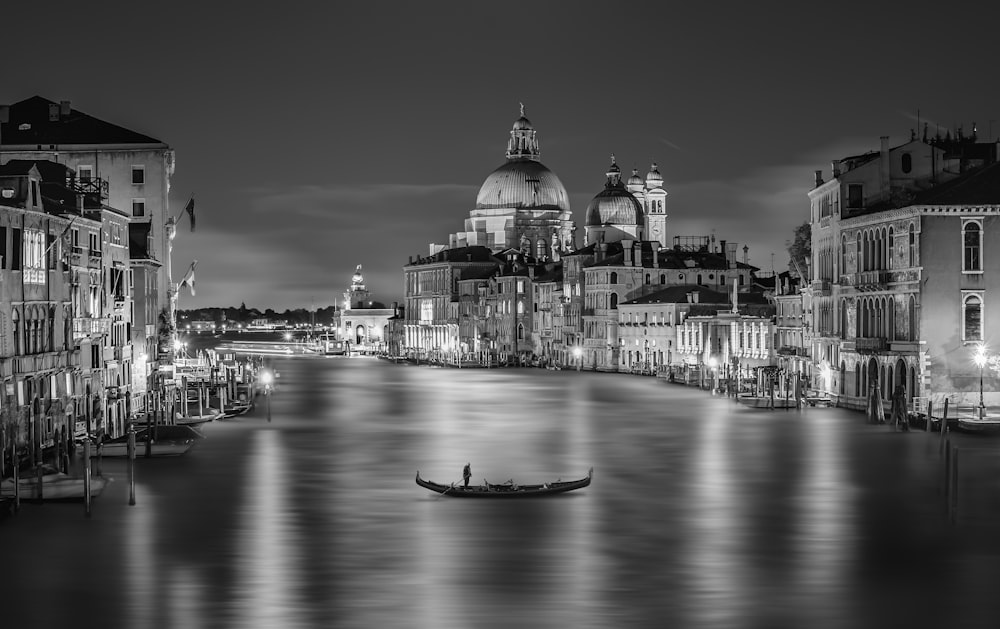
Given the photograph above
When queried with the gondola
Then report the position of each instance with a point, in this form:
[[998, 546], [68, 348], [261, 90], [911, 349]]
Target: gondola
[[510, 489]]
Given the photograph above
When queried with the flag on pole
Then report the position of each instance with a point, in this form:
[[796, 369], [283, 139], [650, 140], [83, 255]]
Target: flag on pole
[[189, 208], [188, 279]]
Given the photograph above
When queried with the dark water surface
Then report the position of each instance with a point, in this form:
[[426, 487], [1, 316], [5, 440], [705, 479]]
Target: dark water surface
[[701, 514]]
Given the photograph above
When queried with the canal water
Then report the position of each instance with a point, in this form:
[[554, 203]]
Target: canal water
[[702, 513]]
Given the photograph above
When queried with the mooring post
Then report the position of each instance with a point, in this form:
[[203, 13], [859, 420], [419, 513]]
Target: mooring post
[[17, 481], [930, 416], [131, 464], [86, 477]]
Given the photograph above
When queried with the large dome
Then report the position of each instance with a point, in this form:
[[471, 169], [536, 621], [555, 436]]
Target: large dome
[[614, 206], [522, 183]]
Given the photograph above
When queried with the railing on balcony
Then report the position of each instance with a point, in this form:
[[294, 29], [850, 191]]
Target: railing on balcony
[[869, 345], [84, 327], [93, 185], [821, 287], [872, 280]]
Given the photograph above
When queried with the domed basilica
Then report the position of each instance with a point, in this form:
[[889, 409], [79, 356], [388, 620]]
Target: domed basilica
[[521, 205], [633, 211]]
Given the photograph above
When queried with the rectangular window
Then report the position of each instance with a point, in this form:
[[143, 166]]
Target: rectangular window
[[138, 207], [85, 173], [855, 196], [3, 248], [138, 175], [34, 256]]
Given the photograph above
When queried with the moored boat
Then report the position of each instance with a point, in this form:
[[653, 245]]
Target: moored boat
[[167, 441], [55, 485], [206, 415], [990, 427], [510, 489]]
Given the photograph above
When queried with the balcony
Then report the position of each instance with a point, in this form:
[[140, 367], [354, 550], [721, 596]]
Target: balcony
[[94, 186], [88, 327], [869, 345], [872, 280], [821, 288]]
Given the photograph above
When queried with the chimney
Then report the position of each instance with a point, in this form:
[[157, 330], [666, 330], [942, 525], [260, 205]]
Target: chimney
[[819, 178], [835, 164], [53, 112], [883, 167], [725, 252], [64, 108], [696, 295], [411, 260], [656, 256], [746, 254]]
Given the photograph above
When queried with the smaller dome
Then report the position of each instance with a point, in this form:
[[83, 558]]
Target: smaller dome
[[523, 124], [635, 179], [614, 206], [653, 178]]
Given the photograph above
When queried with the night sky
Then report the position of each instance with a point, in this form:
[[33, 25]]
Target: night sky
[[316, 138]]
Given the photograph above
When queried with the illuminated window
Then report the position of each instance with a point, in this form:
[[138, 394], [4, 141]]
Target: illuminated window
[[972, 240], [972, 317]]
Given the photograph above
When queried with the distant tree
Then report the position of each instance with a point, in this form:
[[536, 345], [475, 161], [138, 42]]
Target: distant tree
[[800, 251]]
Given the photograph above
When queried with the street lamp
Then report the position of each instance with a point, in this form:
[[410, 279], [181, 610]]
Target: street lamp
[[578, 353], [266, 378], [980, 359], [712, 365]]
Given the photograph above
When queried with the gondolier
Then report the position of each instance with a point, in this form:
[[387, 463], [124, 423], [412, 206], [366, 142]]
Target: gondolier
[[467, 473]]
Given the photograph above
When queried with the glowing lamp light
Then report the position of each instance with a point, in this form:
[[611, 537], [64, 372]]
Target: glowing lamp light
[[577, 351], [980, 357], [288, 336], [266, 378], [712, 362], [177, 344]]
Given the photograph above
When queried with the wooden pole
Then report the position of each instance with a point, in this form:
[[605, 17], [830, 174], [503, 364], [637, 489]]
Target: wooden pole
[[86, 477], [944, 423], [38, 477], [131, 464], [17, 481], [149, 428], [930, 416]]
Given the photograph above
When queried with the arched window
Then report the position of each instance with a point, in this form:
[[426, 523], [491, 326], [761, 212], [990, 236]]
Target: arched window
[[843, 372], [890, 249], [16, 320], [614, 301], [699, 279], [663, 278], [972, 318], [911, 318], [913, 246], [540, 248], [858, 254], [972, 237], [647, 278], [843, 253], [907, 163], [520, 307], [520, 332]]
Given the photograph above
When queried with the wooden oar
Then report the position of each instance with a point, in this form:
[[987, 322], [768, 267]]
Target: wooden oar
[[447, 490]]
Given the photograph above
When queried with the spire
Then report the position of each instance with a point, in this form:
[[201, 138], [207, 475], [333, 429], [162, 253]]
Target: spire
[[522, 144]]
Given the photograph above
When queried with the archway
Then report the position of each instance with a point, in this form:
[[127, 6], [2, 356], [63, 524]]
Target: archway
[[360, 334]]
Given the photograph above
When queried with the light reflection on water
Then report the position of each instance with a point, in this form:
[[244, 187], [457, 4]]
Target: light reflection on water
[[701, 514]]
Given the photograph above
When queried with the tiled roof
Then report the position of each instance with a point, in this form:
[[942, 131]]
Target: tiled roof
[[679, 294], [29, 124], [978, 187]]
